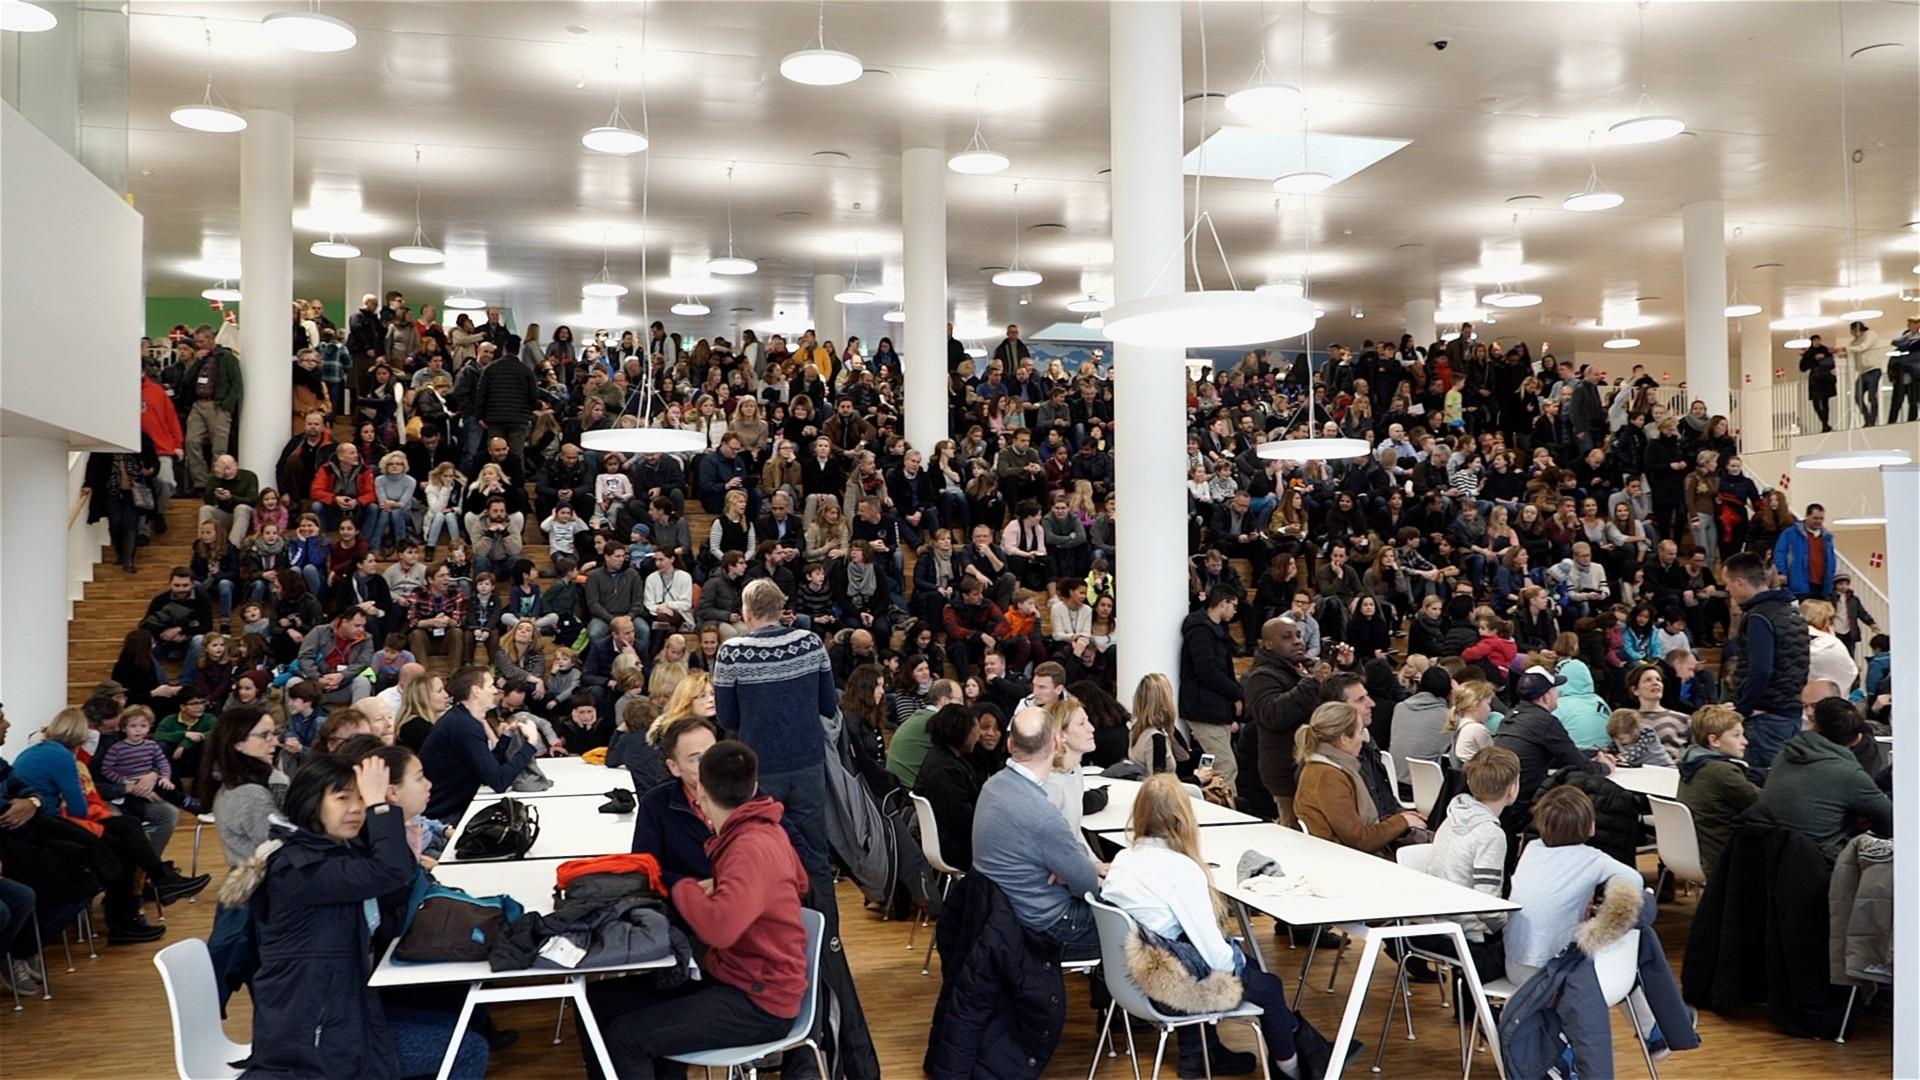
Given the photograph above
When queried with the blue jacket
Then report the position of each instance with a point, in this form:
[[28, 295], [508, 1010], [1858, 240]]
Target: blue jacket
[[672, 831], [1002, 1001], [1791, 555], [50, 770], [456, 759]]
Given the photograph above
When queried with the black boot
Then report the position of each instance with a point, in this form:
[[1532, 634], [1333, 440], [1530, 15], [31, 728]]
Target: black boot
[[1225, 1062], [169, 885], [127, 545], [127, 926]]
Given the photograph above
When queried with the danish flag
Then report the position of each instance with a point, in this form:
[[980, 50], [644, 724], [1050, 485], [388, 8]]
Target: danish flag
[[1786, 481], [1877, 559]]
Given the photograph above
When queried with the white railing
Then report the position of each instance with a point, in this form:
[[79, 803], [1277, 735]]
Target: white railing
[[1872, 600], [83, 540]]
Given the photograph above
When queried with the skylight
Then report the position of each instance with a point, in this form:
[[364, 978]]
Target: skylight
[[1242, 153]]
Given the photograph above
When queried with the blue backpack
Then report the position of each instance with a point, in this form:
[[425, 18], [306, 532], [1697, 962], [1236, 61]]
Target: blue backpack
[[445, 924]]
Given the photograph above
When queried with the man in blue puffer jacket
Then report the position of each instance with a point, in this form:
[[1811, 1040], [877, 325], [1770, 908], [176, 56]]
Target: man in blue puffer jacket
[[1804, 555]]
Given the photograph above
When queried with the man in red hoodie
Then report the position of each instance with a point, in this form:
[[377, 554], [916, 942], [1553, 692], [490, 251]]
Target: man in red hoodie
[[159, 422], [747, 914]]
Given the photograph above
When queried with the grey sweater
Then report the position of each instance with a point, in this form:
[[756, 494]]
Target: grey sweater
[[1020, 839], [391, 488], [241, 815]]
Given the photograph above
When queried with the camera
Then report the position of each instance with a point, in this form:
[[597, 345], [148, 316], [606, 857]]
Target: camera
[[1440, 44]]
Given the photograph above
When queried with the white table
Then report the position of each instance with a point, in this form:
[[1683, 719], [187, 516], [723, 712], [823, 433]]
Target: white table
[[1348, 886], [1118, 813], [573, 776], [571, 826], [485, 985], [529, 881], [1661, 781]]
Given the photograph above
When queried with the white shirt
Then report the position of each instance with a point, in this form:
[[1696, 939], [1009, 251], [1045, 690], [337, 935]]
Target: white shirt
[[1167, 893], [1068, 624], [677, 593], [1828, 658]]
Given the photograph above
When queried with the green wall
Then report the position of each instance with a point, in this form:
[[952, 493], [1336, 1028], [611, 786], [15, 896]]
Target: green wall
[[166, 312]]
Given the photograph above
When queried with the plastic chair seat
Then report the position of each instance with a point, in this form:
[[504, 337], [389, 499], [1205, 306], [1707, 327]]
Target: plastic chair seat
[[800, 1034]]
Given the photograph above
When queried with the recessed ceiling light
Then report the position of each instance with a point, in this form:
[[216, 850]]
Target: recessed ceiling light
[[309, 31], [793, 215], [1524, 198], [832, 155], [22, 17]]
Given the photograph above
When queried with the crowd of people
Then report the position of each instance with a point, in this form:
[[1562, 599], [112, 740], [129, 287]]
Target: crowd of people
[[1518, 581]]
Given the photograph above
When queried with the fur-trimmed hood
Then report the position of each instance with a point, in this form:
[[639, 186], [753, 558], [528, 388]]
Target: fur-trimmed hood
[[245, 879], [1618, 911], [1171, 984]]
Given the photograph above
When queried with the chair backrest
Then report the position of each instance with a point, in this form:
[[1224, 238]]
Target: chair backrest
[[1678, 841], [1116, 927], [201, 1049], [1414, 856], [1428, 781], [1618, 967], [929, 834], [816, 925]]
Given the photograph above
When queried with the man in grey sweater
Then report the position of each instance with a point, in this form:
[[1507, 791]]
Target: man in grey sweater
[[1024, 845]]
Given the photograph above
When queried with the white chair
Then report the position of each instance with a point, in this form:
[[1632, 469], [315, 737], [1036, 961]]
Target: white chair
[[1393, 777], [930, 847], [1428, 781], [1678, 843], [739, 1059], [1116, 928], [201, 823], [1617, 967], [201, 1049]]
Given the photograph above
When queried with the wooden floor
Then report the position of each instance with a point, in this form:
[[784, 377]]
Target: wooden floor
[[108, 1019]]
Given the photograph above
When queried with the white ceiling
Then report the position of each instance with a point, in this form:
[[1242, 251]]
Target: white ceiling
[[496, 95]]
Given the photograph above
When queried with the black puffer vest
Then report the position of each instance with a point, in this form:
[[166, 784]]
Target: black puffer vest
[[1790, 650]]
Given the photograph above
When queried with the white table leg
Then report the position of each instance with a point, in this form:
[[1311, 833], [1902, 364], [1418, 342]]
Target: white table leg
[[591, 1024], [1356, 1000], [459, 1032], [1258, 957]]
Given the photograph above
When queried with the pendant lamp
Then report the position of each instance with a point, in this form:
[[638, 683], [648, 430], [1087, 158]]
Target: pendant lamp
[[419, 252]]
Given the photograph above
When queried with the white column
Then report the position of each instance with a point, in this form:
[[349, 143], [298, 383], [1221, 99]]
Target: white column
[[33, 582], [1703, 228], [363, 277], [266, 287], [1902, 495], [923, 226], [1149, 384], [1756, 383], [1420, 322], [829, 315]]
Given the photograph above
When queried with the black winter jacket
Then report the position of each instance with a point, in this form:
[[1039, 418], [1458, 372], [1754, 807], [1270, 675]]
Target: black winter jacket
[[1002, 999], [1280, 697], [1543, 746], [1616, 811], [1207, 686]]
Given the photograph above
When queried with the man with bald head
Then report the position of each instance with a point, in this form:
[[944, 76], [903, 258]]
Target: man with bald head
[[1025, 846], [393, 697], [1281, 693]]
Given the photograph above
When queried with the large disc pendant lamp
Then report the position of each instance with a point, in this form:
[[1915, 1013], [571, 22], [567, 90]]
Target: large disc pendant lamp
[[310, 31], [210, 113], [854, 293], [1646, 125], [1017, 276], [22, 17], [978, 159], [820, 64], [732, 263], [419, 252]]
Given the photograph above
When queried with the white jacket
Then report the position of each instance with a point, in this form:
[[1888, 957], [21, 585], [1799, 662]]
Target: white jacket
[[1828, 658], [1471, 849], [1167, 893]]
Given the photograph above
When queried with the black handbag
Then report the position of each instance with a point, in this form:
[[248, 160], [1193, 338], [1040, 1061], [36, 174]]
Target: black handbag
[[504, 830]]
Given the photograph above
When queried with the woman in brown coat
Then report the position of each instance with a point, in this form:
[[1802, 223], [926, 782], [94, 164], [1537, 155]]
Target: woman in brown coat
[[1330, 799]]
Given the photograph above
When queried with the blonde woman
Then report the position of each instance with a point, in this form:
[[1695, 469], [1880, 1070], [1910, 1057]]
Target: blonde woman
[[1469, 709], [422, 704], [517, 655], [750, 426], [669, 668], [692, 697], [1163, 883], [392, 505], [1828, 657], [1332, 800], [828, 534], [492, 481], [732, 530], [1154, 742], [1072, 740]]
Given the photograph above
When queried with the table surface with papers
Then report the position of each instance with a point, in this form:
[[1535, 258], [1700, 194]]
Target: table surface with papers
[[1118, 813]]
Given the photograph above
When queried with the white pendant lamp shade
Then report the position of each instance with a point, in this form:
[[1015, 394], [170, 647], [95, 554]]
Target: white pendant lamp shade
[[690, 307], [222, 292], [982, 162], [1861, 314], [1086, 304], [463, 302], [24, 18], [309, 31], [606, 289], [1741, 309], [854, 296], [894, 315], [206, 116], [732, 265], [821, 67], [1304, 182], [1856, 521], [1621, 341], [1646, 129], [1510, 298], [1286, 290], [1265, 102], [1313, 449], [615, 136], [1021, 278], [976, 352], [643, 440], [1210, 318], [1796, 344], [1093, 322], [1852, 459], [419, 253], [331, 248], [1586, 202]]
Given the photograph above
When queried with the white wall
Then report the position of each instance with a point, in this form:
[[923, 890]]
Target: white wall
[[1844, 492], [71, 297]]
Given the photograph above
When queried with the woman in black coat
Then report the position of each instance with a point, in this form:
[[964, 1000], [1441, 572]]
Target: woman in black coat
[[115, 485], [949, 783]]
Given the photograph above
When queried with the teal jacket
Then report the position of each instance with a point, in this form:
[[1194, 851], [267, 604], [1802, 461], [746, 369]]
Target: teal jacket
[[1581, 711]]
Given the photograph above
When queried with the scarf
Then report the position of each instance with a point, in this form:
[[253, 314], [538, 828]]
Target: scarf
[[942, 568], [1328, 754], [862, 583]]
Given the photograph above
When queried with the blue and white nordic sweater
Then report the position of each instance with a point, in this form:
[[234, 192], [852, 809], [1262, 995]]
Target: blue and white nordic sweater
[[771, 687]]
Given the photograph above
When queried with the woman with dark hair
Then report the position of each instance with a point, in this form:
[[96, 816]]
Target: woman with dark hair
[[989, 751], [295, 613], [136, 672], [239, 780], [1367, 629], [313, 1013], [910, 685], [949, 782], [1110, 722], [863, 706]]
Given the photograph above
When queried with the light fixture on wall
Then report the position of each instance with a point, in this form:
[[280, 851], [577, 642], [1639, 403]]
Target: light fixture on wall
[[1016, 276], [821, 65], [310, 31], [1207, 318], [335, 248], [24, 18], [223, 292], [1620, 340], [1645, 126], [731, 264], [978, 159], [616, 136], [419, 252], [207, 114]]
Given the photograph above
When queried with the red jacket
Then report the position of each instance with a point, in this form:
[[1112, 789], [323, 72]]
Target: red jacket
[[158, 421], [1492, 648], [751, 923], [327, 477]]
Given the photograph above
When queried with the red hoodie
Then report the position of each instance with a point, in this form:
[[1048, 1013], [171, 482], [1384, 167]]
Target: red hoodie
[[1492, 648], [751, 923], [158, 421]]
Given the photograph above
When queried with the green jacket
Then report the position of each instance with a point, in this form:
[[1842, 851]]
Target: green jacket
[[228, 373], [1817, 788], [1717, 790], [173, 730], [244, 487]]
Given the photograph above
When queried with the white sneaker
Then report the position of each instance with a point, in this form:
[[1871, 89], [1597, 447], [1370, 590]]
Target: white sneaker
[[24, 978]]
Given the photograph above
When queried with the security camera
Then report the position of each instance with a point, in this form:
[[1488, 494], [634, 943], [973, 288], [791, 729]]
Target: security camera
[[1440, 44]]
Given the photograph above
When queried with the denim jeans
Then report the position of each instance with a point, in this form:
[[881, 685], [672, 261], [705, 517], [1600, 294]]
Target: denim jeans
[[1766, 734], [446, 523], [803, 795], [389, 527], [1075, 932]]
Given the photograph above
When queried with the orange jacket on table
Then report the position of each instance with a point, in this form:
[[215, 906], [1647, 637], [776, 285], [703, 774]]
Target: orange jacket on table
[[573, 869]]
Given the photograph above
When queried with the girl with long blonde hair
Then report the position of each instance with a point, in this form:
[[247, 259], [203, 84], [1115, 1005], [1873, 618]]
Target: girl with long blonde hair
[[692, 697], [1163, 882]]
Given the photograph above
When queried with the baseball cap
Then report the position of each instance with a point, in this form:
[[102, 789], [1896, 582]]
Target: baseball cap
[[1537, 681]]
